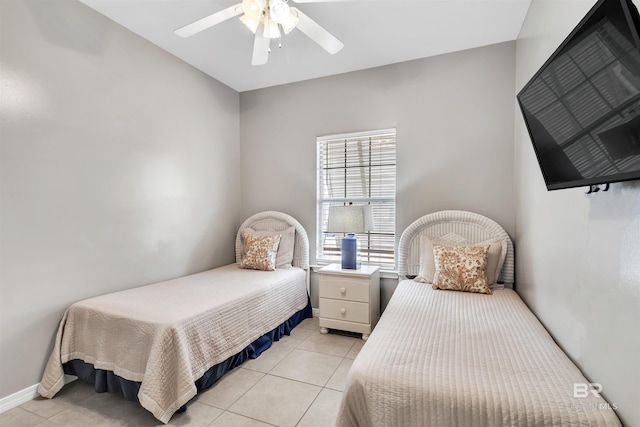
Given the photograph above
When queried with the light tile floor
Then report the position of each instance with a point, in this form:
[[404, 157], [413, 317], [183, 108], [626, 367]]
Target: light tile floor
[[297, 382]]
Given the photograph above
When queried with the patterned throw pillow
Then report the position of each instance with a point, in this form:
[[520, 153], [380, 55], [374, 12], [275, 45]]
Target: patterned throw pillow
[[461, 268], [260, 252], [284, 257]]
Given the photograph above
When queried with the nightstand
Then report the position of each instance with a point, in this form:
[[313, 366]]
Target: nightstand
[[349, 299]]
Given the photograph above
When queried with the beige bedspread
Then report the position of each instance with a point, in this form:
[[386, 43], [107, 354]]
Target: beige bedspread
[[446, 358], [167, 335]]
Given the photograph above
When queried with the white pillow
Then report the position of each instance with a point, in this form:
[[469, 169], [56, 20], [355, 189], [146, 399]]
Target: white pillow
[[495, 258], [284, 257]]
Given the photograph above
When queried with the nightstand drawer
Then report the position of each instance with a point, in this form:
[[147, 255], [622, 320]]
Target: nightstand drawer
[[344, 310], [345, 288]]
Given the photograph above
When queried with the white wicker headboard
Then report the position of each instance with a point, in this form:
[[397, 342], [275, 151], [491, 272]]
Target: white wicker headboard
[[456, 226], [277, 221]]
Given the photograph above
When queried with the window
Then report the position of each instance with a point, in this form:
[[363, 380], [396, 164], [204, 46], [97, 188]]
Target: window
[[358, 168]]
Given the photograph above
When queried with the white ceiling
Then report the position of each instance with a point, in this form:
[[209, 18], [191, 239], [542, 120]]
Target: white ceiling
[[374, 32]]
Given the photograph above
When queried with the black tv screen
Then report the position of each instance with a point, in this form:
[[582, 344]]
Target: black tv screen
[[582, 108]]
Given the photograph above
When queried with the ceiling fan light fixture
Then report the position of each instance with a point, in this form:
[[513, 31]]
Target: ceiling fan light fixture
[[274, 15], [279, 11], [250, 22], [290, 21], [253, 8], [271, 29]]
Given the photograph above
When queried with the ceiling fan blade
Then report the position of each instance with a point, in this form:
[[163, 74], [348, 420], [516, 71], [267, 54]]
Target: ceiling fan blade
[[260, 49], [209, 21], [318, 34]]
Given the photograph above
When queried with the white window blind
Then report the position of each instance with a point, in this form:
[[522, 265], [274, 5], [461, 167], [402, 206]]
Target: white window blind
[[359, 169]]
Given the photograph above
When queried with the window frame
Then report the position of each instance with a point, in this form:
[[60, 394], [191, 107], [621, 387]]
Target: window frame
[[376, 247]]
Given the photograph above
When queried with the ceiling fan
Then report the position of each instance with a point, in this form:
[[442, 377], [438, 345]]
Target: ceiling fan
[[267, 19]]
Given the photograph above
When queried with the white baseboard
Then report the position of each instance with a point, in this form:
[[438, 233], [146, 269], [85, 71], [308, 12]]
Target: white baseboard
[[18, 398], [22, 396], [316, 312]]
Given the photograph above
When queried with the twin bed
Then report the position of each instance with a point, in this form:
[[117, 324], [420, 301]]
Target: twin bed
[[160, 344], [436, 357], [449, 358]]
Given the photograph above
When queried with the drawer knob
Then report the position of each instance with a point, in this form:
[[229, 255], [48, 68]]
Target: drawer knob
[[343, 310], [343, 291]]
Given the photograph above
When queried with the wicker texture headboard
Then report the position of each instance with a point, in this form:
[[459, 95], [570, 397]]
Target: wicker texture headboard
[[277, 221], [455, 226]]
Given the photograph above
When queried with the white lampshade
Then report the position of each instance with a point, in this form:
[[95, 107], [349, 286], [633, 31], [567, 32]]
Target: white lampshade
[[350, 219], [271, 30], [250, 22], [278, 11], [253, 8], [290, 21]]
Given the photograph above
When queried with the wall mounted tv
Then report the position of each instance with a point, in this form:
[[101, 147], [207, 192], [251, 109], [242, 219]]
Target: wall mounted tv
[[582, 108]]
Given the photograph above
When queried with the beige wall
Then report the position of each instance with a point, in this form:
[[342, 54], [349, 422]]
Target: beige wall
[[454, 119], [115, 165], [578, 256]]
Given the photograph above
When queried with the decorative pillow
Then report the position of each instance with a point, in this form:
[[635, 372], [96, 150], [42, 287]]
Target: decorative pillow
[[461, 268], [495, 258], [260, 252], [284, 257]]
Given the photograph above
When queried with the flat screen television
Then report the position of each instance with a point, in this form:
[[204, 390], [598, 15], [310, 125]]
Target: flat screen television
[[582, 108]]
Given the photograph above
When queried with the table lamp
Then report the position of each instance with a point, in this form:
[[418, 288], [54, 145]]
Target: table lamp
[[350, 220]]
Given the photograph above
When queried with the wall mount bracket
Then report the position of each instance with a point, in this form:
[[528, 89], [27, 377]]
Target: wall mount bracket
[[594, 188]]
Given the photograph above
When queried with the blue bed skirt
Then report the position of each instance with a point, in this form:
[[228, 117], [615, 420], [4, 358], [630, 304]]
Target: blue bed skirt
[[107, 381]]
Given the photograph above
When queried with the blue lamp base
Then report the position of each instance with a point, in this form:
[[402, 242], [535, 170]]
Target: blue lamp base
[[350, 252]]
